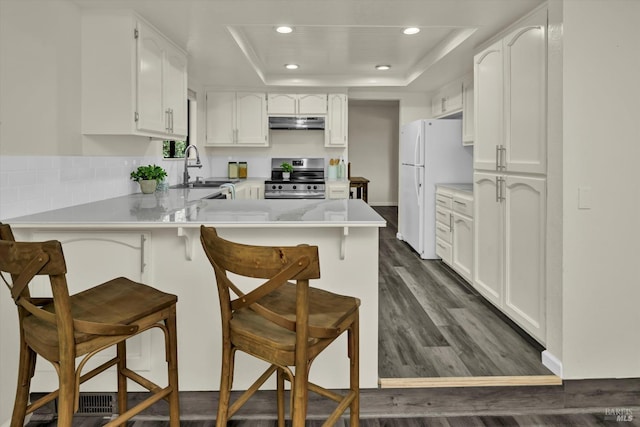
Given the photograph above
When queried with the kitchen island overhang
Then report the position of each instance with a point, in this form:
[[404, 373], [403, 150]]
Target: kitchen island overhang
[[171, 259]]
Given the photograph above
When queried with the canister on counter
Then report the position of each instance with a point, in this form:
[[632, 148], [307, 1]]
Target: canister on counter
[[233, 169], [242, 170]]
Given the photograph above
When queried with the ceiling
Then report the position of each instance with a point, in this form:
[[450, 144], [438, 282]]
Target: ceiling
[[336, 43]]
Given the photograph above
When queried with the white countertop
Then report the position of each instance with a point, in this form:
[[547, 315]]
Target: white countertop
[[186, 208], [467, 188]]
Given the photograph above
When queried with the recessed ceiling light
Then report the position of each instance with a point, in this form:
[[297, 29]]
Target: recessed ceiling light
[[411, 30], [291, 66], [284, 30], [383, 67]]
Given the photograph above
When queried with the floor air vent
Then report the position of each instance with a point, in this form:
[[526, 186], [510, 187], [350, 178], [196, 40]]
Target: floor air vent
[[96, 404]]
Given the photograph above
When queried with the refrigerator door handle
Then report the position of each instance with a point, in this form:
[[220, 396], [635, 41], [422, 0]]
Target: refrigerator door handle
[[416, 150], [417, 185]]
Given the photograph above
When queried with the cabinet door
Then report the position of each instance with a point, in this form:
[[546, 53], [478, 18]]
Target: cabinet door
[[488, 92], [151, 115], [312, 104], [525, 207], [453, 98], [175, 92], [336, 133], [467, 111], [220, 118], [525, 97], [463, 245], [251, 118], [437, 105], [282, 104], [488, 237]]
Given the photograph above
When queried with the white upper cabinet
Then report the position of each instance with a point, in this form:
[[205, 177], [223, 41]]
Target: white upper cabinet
[[447, 100], [510, 100], [467, 110], [134, 79], [525, 97], [297, 104], [336, 131], [175, 90], [236, 119], [488, 87]]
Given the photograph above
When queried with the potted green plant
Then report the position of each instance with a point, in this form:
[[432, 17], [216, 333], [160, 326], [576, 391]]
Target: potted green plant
[[287, 168], [148, 177]]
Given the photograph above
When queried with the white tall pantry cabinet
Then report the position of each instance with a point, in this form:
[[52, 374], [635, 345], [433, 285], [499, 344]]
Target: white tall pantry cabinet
[[510, 173]]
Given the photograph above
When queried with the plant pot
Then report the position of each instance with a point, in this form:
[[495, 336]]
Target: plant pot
[[148, 186], [286, 175]]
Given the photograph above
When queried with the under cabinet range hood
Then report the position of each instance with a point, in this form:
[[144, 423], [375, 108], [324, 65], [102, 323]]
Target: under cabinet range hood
[[296, 123]]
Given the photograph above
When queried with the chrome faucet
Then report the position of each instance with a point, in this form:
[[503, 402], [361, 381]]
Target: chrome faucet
[[187, 165]]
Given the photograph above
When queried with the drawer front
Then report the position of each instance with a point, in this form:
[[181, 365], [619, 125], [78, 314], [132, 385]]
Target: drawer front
[[443, 232], [463, 205], [338, 192], [443, 215], [443, 201], [443, 250]]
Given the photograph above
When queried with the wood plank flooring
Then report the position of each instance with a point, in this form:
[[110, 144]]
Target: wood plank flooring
[[435, 325], [575, 403]]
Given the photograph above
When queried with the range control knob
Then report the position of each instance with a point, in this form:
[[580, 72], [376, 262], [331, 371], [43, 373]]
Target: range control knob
[[315, 187], [294, 187], [273, 187], [308, 187], [279, 187]]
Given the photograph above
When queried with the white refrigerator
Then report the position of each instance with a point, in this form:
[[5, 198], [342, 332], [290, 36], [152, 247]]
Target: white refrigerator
[[431, 152]]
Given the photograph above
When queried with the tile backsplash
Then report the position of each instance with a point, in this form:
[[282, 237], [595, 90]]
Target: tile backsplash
[[31, 184]]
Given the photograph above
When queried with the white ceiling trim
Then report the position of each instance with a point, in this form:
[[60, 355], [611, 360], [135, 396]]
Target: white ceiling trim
[[399, 77]]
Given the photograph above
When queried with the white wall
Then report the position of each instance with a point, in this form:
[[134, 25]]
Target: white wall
[[601, 144], [373, 148]]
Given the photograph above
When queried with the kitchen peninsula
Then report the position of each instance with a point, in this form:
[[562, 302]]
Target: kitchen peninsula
[[154, 238]]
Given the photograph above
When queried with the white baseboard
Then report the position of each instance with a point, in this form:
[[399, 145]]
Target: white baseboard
[[552, 363]]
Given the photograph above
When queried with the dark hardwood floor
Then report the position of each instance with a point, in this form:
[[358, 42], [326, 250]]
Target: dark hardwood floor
[[575, 403], [434, 324]]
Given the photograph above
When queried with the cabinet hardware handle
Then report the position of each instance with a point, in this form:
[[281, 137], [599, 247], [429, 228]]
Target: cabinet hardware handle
[[460, 203], [442, 246], [503, 157], [171, 110], [450, 222], [142, 264], [499, 189], [497, 157]]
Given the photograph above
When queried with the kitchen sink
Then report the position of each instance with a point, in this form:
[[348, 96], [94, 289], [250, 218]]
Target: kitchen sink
[[207, 183]]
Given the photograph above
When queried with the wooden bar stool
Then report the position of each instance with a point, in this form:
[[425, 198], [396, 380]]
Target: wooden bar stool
[[284, 323], [65, 327]]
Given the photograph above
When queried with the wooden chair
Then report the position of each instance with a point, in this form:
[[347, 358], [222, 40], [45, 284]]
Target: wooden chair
[[286, 324], [64, 327]]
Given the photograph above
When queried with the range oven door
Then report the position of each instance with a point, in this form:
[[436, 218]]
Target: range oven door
[[291, 195]]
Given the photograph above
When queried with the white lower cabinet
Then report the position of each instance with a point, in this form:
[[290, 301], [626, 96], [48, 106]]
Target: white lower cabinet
[[509, 247], [454, 230], [337, 190], [250, 189], [462, 235]]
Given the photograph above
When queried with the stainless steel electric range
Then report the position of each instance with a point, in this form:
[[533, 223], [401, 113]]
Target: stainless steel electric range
[[305, 182]]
